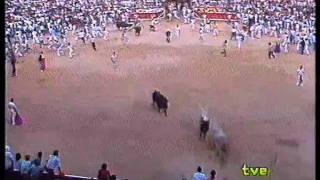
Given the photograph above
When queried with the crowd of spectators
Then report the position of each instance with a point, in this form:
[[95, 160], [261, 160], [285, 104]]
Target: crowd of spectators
[[25, 168]]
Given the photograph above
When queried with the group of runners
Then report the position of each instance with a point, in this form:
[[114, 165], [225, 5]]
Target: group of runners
[[31, 24]]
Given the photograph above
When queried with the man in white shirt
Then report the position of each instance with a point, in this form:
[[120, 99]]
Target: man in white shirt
[[239, 40], [233, 33], [300, 73], [178, 31], [70, 50], [192, 23], [199, 175], [82, 36], [114, 59], [201, 33], [106, 34]]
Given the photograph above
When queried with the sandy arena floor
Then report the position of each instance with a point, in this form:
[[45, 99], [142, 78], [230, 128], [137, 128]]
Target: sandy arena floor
[[93, 113]]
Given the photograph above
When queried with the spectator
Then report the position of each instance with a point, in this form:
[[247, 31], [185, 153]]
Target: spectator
[[9, 159], [199, 175], [113, 177], [212, 175], [17, 163], [25, 166], [103, 173], [54, 164], [38, 159], [36, 170]]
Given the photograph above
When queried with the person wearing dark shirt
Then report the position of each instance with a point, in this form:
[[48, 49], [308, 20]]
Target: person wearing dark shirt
[[270, 51], [302, 46], [212, 175], [42, 61], [103, 173], [36, 170], [13, 61], [38, 159], [93, 43], [113, 177], [168, 35], [277, 48]]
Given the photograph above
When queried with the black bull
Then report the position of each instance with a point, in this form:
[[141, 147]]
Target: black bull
[[123, 25], [161, 101], [204, 128], [137, 30]]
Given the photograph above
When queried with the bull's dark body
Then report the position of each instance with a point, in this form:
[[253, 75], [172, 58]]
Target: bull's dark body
[[137, 30], [161, 101], [204, 128], [122, 25]]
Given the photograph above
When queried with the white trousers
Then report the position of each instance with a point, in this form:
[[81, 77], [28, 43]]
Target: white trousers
[[13, 116], [70, 53]]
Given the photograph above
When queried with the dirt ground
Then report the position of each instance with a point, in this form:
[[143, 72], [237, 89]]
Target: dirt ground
[[93, 113]]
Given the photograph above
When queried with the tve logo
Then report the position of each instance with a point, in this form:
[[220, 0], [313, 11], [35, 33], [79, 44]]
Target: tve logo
[[255, 171]]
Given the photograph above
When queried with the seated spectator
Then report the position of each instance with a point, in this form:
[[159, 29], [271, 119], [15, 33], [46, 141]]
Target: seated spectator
[[17, 163], [113, 177], [53, 165], [25, 166], [36, 170], [103, 173], [38, 159], [212, 175], [199, 175]]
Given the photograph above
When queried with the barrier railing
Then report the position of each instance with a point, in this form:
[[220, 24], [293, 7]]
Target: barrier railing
[[15, 175]]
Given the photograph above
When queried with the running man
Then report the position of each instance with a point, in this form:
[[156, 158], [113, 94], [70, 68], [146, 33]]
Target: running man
[[201, 33], [124, 37], [93, 43], [178, 31], [70, 50], [224, 48], [270, 51], [106, 34], [300, 73], [168, 35], [13, 61], [42, 60], [114, 59]]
